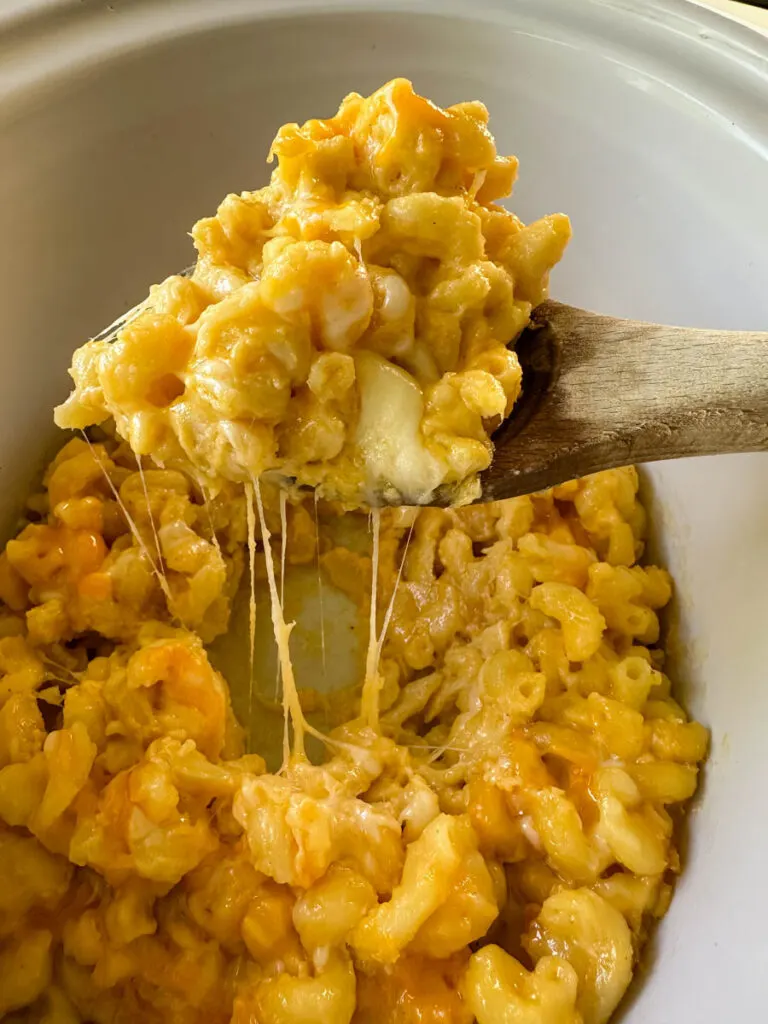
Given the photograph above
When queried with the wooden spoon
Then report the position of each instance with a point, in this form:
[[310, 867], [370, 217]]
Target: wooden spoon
[[599, 392]]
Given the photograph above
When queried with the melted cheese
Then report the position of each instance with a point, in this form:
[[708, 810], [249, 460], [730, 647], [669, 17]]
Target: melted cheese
[[160, 576], [283, 547], [369, 706], [149, 514], [398, 464], [207, 503], [292, 712], [320, 586], [251, 522], [391, 605]]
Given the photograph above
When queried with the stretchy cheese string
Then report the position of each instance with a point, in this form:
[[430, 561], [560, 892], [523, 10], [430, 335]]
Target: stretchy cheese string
[[110, 333], [391, 605], [151, 517], [250, 516], [369, 704], [162, 581], [372, 686], [292, 711], [283, 543], [61, 668], [291, 705], [320, 586], [209, 511]]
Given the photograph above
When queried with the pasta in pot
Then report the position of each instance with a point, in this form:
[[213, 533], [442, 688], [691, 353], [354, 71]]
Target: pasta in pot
[[491, 832], [512, 797]]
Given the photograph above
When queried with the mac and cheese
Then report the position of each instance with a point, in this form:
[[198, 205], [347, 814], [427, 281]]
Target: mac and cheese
[[491, 831], [496, 851]]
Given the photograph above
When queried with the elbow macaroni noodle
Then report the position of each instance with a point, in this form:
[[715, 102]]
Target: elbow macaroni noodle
[[495, 845]]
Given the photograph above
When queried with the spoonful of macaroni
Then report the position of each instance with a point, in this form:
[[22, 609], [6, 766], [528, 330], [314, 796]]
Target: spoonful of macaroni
[[346, 328], [362, 326]]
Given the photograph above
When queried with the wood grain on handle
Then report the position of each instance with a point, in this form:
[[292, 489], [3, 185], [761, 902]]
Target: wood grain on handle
[[599, 392]]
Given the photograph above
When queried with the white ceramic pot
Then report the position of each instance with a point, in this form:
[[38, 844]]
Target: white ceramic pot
[[646, 120]]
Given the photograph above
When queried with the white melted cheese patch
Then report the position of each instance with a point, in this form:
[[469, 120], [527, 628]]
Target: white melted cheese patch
[[399, 465]]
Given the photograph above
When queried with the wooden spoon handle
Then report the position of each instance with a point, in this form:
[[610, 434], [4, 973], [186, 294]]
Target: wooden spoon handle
[[599, 392]]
